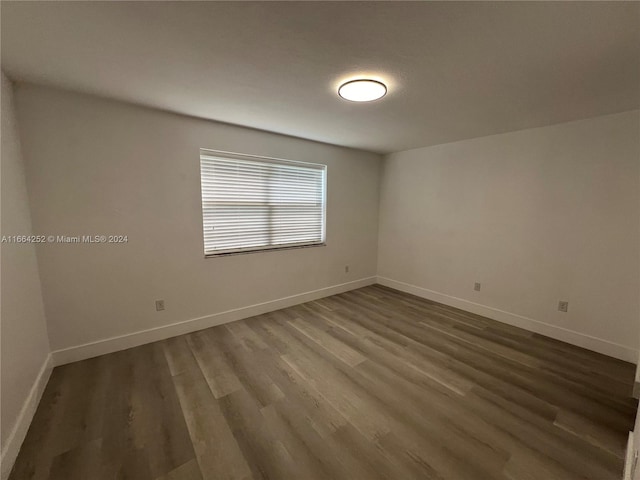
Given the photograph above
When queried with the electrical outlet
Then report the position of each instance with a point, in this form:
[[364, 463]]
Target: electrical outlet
[[563, 306], [159, 305], [346, 269], [476, 286]]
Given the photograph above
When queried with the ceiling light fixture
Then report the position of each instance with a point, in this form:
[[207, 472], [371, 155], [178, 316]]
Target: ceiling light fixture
[[362, 90]]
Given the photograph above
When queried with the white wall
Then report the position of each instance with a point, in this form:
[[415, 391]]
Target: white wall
[[24, 345], [98, 167], [536, 216], [632, 469]]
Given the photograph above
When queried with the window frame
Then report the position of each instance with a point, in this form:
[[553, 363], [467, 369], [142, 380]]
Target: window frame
[[273, 161]]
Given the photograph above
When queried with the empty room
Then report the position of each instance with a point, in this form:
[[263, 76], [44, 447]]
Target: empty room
[[319, 240]]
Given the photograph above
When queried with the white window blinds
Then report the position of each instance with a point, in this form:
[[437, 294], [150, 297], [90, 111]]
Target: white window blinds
[[253, 203]]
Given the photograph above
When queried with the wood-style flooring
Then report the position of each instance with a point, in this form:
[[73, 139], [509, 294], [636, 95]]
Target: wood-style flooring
[[369, 384]]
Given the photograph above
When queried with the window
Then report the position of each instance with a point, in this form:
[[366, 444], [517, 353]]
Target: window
[[252, 203]]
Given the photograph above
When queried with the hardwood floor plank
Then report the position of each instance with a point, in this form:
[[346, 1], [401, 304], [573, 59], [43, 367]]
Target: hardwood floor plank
[[179, 355], [82, 462], [213, 363], [320, 413], [264, 450], [158, 424], [575, 454], [187, 471], [594, 433], [330, 344], [217, 453], [248, 338], [530, 466], [247, 369], [368, 384]]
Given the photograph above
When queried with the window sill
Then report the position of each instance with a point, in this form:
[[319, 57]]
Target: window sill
[[261, 250]]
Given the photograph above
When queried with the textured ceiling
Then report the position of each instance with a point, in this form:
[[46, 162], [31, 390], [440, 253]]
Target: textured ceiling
[[455, 70]]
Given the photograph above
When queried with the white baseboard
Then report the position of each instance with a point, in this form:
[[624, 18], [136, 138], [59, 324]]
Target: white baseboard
[[630, 458], [19, 430], [595, 344], [122, 342]]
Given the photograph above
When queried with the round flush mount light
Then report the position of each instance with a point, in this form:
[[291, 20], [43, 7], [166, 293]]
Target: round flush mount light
[[362, 90]]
